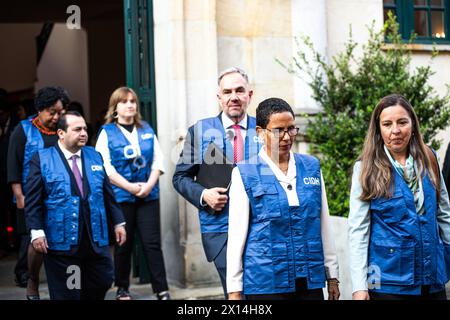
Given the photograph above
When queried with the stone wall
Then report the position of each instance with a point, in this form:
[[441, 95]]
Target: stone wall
[[252, 34]]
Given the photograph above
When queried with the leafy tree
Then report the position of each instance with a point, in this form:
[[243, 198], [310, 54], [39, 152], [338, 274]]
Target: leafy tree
[[349, 87]]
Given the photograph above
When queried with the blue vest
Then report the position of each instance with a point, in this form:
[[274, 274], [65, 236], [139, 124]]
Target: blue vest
[[34, 144], [211, 130], [61, 219], [126, 161], [283, 243], [405, 248]]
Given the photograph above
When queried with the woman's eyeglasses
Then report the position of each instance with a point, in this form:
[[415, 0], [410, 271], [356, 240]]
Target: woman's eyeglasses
[[279, 133]]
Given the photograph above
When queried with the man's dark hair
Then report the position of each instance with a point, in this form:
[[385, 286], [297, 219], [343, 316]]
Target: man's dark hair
[[76, 106], [48, 96], [62, 122], [268, 107]]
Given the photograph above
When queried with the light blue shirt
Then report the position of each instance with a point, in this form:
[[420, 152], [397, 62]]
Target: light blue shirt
[[359, 228]]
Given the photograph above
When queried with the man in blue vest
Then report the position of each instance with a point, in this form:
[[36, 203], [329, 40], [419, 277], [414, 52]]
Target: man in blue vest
[[69, 204], [233, 132]]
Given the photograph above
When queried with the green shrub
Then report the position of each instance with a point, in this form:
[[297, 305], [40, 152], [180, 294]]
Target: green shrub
[[349, 87]]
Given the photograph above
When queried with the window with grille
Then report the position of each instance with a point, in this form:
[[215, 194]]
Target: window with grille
[[429, 19]]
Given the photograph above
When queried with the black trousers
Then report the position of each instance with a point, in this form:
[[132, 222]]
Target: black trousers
[[6, 207], [144, 218], [85, 275], [301, 293], [21, 268], [424, 295], [221, 265]]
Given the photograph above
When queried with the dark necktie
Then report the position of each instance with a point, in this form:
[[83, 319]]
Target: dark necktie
[[77, 174]]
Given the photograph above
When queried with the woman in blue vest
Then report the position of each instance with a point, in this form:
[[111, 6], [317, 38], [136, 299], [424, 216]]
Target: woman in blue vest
[[279, 241], [134, 161], [399, 221]]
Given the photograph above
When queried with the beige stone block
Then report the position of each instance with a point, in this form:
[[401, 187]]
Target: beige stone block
[[253, 18], [235, 51], [200, 10], [201, 49], [201, 99], [278, 89], [199, 271], [265, 52], [175, 48]]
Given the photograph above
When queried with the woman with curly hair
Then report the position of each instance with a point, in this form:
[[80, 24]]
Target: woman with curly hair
[[31, 135]]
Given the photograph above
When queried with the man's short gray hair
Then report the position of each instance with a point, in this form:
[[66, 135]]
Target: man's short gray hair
[[232, 70]]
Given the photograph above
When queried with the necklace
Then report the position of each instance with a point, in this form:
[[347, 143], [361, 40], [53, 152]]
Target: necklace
[[41, 127], [284, 168]]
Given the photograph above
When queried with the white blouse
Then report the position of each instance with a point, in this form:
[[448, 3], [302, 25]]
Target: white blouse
[[239, 215], [132, 137]]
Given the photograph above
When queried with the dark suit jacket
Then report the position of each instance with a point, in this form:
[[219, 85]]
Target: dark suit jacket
[[183, 181], [4, 143], [446, 168], [34, 204]]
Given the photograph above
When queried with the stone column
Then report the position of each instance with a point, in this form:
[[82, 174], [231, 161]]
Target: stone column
[[186, 72], [308, 19]]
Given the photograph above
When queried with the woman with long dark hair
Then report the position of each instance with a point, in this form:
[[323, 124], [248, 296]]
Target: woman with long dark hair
[[399, 221]]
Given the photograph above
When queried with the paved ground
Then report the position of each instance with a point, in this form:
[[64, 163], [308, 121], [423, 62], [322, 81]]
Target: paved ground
[[9, 291]]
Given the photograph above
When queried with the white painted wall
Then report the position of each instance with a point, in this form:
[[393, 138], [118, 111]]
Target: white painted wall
[[441, 66], [359, 14], [309, 18], [65, 63]]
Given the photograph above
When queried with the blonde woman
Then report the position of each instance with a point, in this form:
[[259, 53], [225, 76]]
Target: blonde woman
[[134, 162], [399, 221]]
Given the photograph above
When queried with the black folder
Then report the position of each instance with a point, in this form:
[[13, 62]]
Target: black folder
[[215, 170]]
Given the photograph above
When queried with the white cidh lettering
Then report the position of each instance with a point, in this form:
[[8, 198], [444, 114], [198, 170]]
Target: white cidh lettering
[[311, 180]]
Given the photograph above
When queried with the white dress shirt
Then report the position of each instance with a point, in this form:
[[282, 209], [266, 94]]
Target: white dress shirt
[[133, 138], [239, 218], [227, 126]]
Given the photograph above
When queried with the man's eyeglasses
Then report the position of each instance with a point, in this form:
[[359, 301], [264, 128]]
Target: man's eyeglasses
[[279, 133]]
